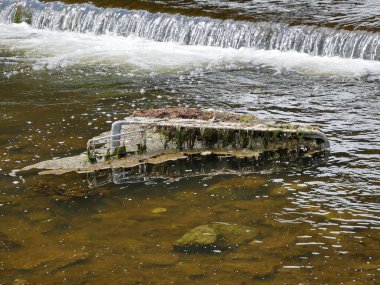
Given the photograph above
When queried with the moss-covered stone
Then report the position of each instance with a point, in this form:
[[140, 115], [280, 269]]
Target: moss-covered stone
[[248, 141], [217, 236]]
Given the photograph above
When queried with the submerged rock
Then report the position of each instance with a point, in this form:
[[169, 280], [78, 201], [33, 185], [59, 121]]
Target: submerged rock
[[158, 210], [217, 236], [238, 188], [36, 216]]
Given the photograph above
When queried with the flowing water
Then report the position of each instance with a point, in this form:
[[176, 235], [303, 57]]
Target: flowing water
[[68, 70]]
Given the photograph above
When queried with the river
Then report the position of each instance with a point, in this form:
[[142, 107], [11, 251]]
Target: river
[[67, 70]]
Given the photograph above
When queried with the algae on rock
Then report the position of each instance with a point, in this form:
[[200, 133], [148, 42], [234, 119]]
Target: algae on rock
[[215, 236]]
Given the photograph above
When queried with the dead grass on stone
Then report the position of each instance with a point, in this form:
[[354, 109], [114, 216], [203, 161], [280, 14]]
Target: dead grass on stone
[[192, 113]]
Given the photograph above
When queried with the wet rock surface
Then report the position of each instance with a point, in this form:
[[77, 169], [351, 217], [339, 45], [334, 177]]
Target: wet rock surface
[[215, 236]]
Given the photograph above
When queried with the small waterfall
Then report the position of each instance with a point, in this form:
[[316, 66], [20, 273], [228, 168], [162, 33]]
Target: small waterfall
[[85, 18]]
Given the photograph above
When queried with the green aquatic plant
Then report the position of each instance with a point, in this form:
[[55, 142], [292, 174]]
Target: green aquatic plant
[[265, 138], [120, 151], [168, 134], [191, 136], [141, 148], [108, 155], [251, 139], [17, 18], [247, 119], [209, 137], [22, 15], [243, 139], [91, 156], [180, 137]]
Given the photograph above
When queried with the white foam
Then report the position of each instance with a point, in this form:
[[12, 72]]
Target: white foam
[[54, 49]]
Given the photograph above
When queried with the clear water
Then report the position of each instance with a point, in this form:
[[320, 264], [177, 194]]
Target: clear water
[[318, 222]]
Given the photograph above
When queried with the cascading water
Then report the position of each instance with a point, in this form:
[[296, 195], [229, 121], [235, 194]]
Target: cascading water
[[85, 18]]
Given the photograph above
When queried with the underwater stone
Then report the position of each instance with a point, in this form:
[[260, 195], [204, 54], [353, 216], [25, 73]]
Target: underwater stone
[[238, 188], [36, 216], [218, 236], [158, 210]]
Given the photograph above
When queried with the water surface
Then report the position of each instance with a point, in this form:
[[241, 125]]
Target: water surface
[[317, 221]]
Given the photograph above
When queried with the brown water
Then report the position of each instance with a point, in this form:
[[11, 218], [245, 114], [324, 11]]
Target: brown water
[[316, 222]]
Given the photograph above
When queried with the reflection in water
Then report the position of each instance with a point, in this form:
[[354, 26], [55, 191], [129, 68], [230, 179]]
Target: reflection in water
[[203, 166]]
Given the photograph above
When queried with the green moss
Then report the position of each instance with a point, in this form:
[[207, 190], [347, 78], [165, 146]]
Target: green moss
[[300, 134], [265, 137], [180, 138], [209, 137], [225, 136], [168, 134], [287, 126], [141, 148], [91, 156], [247, 119], [276, 135], [191, 136], [22, 15], [120, 151], [243, 139], [108, 155], [17, 18]]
